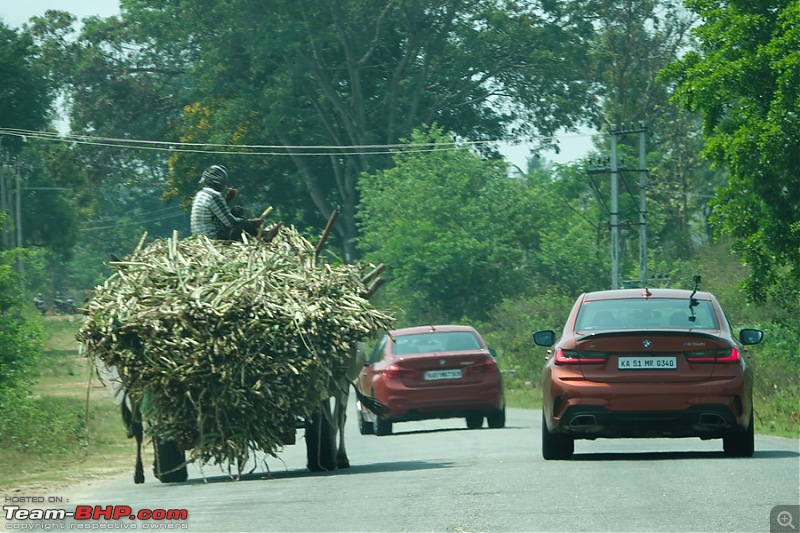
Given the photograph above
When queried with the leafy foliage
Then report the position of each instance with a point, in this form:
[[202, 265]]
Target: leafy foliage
[[509, 328], [460, 240], [25, 104], [573, 254], [25, 98], [40, 426], [457, 233], [744, 81], [20, 331], [21, 341], [635, 40], [283, 75]]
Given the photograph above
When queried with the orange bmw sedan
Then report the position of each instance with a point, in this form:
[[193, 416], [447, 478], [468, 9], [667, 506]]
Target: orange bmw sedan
[[647, 363]]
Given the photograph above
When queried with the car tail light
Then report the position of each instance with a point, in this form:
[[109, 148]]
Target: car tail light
[[487, 366], [726, 355], [574, 357], [395, 371]]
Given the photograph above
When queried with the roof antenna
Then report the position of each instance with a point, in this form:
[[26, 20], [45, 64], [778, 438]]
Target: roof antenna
[[693, 302]]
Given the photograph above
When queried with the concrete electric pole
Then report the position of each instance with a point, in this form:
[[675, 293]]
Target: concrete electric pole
[[615, 170]]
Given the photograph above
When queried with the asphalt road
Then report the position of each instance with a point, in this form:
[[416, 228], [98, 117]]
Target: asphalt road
[[439, 476]]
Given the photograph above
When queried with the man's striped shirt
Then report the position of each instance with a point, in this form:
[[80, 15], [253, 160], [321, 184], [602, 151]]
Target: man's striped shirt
[[211, 216]]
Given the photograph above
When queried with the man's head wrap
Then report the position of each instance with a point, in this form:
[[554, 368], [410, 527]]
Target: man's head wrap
[[216, 177]]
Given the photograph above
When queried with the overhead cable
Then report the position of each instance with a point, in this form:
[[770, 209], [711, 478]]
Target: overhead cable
[[255, 149]]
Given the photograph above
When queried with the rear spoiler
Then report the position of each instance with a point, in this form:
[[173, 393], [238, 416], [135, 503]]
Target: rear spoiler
[[649, 333]]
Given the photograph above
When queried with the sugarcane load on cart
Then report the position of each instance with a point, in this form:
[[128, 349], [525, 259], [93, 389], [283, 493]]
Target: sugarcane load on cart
[[218, 349]]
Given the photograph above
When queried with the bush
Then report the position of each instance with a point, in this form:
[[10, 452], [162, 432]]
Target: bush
[[23, 422], [40, 425], [776, 387], [21, 334], [509, 329]]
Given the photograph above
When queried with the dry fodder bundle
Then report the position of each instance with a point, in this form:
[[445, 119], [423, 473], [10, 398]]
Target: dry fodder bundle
[[226, 345]]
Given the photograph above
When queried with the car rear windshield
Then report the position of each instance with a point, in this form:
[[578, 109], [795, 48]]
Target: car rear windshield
[[441, 341], [646, 313]]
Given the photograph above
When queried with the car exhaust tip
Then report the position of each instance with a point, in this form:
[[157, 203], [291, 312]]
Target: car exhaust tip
[[582, 421], [712, 420]]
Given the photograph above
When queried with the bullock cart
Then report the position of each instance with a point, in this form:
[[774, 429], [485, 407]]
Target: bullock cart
[[218, 350]]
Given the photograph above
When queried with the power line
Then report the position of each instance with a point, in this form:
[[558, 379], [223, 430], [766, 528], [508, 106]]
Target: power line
[[256, 149]]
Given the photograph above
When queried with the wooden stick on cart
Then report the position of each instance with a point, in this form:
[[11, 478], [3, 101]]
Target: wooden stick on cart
[[326, 232], [268, 236], [377, 271]]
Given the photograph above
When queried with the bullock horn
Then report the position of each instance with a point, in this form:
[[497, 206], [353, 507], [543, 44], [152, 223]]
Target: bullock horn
[[375, 272]]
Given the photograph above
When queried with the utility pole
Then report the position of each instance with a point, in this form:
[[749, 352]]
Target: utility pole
[[4, 202], [11, 188], [20, 263], [642, 206], [5, 197], [19, 206], [614, 211], [615, 170]]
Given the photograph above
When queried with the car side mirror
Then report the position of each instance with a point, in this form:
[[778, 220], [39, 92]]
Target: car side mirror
[[751, 336], [545, 337], [493, 352]]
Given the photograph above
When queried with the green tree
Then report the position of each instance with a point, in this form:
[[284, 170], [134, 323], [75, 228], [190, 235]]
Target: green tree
[[47, 220], [456, 232], [25, 97], [573, 221], [346, 74], [745, 80], [114, 90], [110, 189], [635, 40]]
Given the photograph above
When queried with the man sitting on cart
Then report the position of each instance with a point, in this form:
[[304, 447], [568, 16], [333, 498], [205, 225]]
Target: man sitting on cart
[[211, 215]]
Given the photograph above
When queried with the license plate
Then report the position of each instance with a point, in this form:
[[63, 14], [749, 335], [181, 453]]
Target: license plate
[[647, 363], [442, 374]]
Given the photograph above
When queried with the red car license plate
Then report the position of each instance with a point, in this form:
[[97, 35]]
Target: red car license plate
[[443, 374]]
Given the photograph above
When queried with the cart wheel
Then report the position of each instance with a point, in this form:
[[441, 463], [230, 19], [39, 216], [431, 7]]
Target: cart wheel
[[170, 462]]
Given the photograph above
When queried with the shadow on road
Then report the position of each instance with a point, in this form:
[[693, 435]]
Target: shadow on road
[[775, 454], [397, 433], [671, 456], [398, 466]]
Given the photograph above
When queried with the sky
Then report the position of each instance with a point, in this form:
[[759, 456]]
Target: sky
[[16, 12]]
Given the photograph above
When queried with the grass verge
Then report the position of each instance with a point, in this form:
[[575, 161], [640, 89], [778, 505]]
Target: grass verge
[[69, 430]]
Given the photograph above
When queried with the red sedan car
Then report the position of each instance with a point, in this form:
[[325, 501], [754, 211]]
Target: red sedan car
[[431, 372], [647, 363]]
